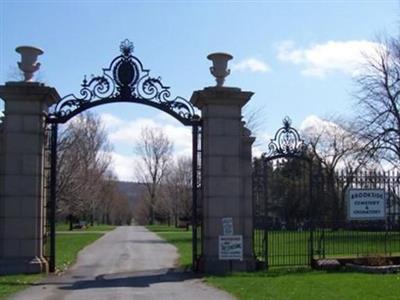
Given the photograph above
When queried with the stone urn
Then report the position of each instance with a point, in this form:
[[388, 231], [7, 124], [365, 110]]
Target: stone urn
[[220, 66], [28, 64]]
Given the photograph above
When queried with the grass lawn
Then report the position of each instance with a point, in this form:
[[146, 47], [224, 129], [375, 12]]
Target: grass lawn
[[67, 248], [100, 227], [13, 283], [180, 238], [306, 284], [291, 284]]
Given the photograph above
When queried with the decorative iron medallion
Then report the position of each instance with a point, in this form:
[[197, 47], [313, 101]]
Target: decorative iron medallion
[[124, 81], [286, 143]]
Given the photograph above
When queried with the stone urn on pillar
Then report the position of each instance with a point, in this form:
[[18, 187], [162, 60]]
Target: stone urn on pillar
[[23, 198], [28, 64], [225, 199], [219, 68]]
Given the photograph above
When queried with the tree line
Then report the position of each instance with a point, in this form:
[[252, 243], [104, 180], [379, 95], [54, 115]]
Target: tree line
[[87, 188]]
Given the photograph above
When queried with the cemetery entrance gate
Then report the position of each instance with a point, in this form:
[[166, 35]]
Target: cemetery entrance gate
[[126, 81]]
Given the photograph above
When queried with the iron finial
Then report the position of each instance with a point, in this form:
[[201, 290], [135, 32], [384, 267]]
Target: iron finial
[[287, 122], [126, 47]]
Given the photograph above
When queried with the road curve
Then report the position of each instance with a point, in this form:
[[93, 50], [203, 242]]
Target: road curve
[[129, 262]]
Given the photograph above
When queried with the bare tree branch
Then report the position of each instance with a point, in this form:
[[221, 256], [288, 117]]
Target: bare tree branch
[[155, 151]]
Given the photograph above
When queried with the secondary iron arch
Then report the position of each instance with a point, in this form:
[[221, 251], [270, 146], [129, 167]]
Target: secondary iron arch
[[125, 81]]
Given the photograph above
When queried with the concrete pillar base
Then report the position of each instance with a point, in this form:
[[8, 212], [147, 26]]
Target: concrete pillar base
[[212, 265], [19, 265]]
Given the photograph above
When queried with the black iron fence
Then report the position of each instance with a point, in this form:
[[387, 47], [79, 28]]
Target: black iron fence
[[340, 236], [294, 225]]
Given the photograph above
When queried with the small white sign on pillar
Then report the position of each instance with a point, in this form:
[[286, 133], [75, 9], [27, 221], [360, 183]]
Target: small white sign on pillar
[[231, 247], [227, 226]]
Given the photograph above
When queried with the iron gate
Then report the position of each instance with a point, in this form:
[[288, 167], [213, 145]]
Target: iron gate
[[125, 80], [300, 208], [282, 195]]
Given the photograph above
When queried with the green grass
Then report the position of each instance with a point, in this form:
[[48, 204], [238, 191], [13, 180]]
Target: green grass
[[67, 248], [180, 238], [291, 284], [13, 283], [99, 227], [309, 285]]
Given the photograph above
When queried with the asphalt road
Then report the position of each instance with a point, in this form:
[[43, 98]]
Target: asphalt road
[[127, 263]]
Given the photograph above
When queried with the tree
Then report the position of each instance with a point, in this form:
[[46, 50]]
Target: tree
[[178, 190], [255, 122], [332, 147], [378, 115], [113, 205], [83, 160], [155, 152]]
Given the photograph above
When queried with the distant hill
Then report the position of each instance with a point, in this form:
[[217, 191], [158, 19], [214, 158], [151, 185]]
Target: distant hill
[[132, 190]]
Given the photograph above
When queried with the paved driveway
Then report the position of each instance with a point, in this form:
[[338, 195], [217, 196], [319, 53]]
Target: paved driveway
[[128, 263]]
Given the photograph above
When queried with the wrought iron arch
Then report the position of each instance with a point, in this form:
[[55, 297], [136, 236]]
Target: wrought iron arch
[[286, 143], [125, 80]]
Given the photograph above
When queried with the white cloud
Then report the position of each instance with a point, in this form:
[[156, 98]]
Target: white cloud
[[125, 133], [314, 125], [129, 133], [124, 166], [110, 121], [321, 59], [257, 150], [261, 143], [312, 121], [253, 65]]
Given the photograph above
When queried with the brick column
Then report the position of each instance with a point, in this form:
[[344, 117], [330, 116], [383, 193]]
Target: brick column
[[21, 180], [225, 163]]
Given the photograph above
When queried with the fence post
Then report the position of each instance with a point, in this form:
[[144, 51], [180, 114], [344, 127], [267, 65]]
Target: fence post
[[53, 196], [264, 170], [311, 210]]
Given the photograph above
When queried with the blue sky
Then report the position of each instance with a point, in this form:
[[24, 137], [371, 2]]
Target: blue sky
[[298, 57]]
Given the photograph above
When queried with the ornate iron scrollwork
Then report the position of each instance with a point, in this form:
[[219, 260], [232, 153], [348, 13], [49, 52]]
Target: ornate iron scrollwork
[[286, 143], [124, 81]]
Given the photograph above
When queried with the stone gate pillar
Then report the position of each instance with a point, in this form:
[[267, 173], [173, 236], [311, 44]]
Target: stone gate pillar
[[226, 176], [21, 180]]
